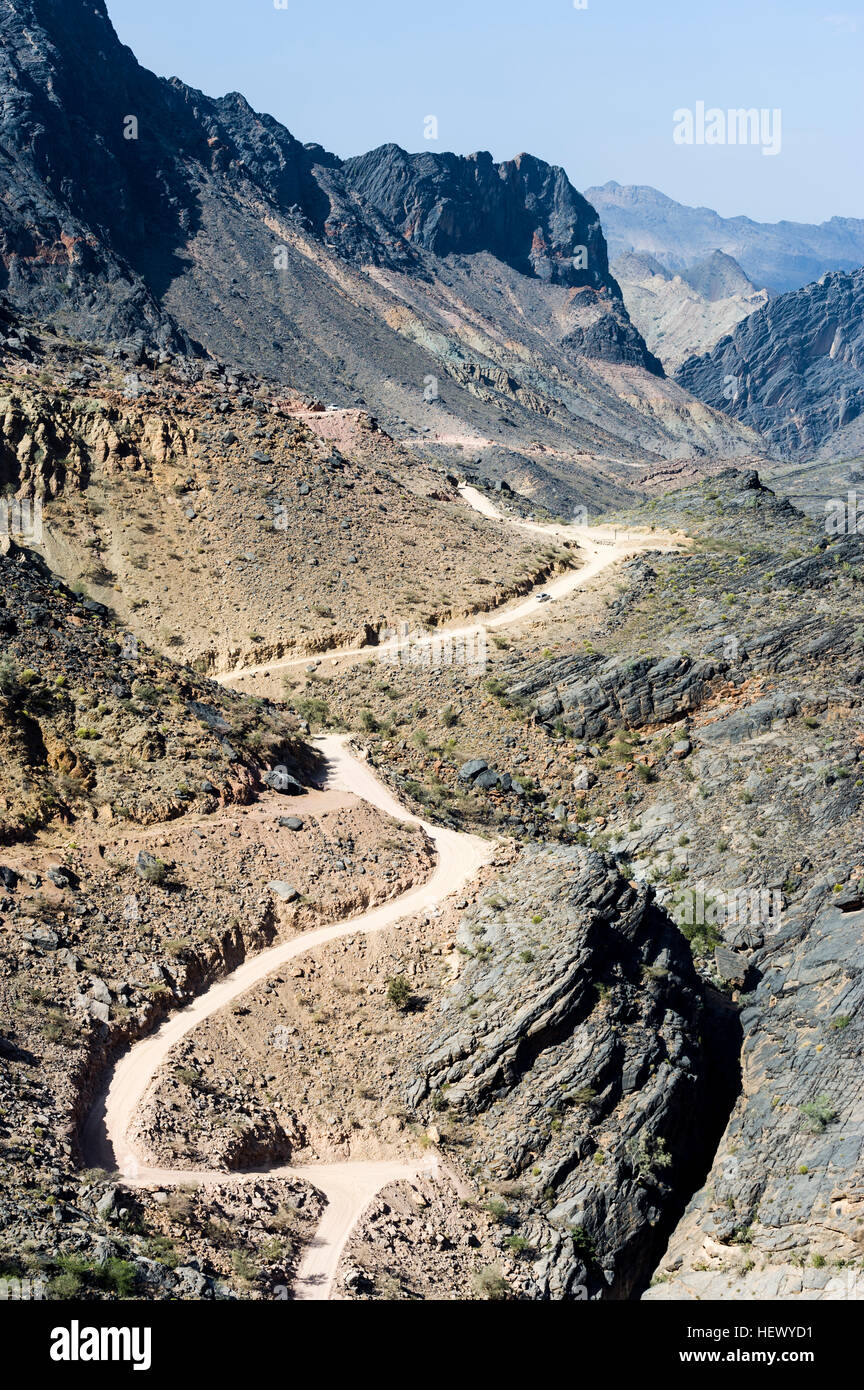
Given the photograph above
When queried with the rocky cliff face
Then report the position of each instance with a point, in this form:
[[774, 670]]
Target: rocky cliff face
[[794, 369], [522, 211], [571, 1049], [468, 304], [781, 1213]]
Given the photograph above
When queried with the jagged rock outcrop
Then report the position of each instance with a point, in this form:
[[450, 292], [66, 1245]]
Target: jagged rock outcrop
[[795, 369], [141, 213], [44, 450], [523, 211], [591, 694], [569, 1047], [782, 1212]]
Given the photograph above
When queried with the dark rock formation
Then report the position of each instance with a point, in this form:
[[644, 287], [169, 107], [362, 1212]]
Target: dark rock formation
[[591, 694], [795, 369], [781, 1213], [571, 1049], [524, 212]]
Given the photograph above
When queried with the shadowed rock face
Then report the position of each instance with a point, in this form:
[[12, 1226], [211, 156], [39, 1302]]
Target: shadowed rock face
[[523, 211], [572, 1044], [794, 369], [780, 1215]]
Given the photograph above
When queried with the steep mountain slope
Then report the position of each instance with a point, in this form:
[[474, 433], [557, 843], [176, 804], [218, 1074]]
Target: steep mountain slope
[[460, 300], [779, 255], [717, 277], [683, 315], [138, 830], [231, 525], [795, 369]]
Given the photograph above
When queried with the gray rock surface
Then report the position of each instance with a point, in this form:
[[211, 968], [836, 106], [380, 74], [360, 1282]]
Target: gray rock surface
[[795, 369], [570, 1050], [781, 1214]]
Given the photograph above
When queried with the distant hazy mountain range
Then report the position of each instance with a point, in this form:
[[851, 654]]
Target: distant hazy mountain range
[[682, 315], [780, 256]]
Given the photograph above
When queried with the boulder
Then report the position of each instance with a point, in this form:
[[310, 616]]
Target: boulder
[[468, 771], [284, 891]]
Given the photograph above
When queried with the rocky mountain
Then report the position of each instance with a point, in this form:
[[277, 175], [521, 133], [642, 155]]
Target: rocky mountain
[[585, 1027], [795, 369], [468, 305], [683, 315], [524, 212], [507, 925], [718, 277], [778, 256]]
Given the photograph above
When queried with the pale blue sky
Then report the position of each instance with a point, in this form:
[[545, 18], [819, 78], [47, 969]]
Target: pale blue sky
[[593, 90]]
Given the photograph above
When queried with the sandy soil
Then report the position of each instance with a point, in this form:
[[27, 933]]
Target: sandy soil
[[109, 1132], [107, 1140]]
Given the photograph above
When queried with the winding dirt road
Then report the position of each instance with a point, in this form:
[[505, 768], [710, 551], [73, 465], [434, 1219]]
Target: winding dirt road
[[348, 1187], [602, 546]]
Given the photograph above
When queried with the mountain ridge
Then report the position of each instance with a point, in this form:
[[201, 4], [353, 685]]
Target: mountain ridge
[[779, 256], [682, 314], [215, 231]]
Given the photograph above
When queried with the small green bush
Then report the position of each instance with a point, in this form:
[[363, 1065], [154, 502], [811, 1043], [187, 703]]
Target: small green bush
[[490, 1283], [818, 1113], [399, 992]]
